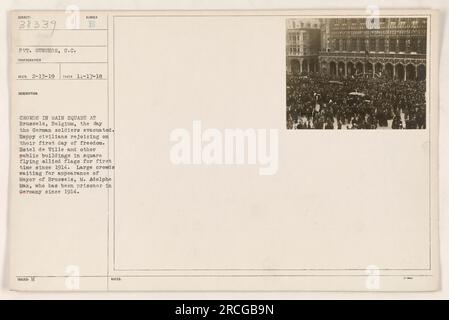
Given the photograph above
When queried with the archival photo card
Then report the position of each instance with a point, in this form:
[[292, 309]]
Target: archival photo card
[[158, 150]]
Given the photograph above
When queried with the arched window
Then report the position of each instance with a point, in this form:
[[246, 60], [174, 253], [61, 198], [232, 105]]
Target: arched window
[[372, 44], [353, 44], [393, 45], [343, 45], [382, 45], [421, 45], [402, 45]]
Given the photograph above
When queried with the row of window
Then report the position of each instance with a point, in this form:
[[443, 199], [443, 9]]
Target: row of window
[[297, 24], [301, 51], [298, 37], [385, 22], [378, 33], [392, 45]]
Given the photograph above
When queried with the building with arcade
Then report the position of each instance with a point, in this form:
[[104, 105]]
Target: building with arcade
[[390, 47]]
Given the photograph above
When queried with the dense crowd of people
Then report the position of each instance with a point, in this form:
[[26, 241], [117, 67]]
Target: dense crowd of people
[[319, 101]]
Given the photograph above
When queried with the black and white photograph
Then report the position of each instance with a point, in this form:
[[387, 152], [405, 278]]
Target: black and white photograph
[[356, 73]]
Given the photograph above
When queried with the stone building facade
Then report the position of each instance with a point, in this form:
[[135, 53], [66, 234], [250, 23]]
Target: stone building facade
[[392, 47], [303, 45]]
